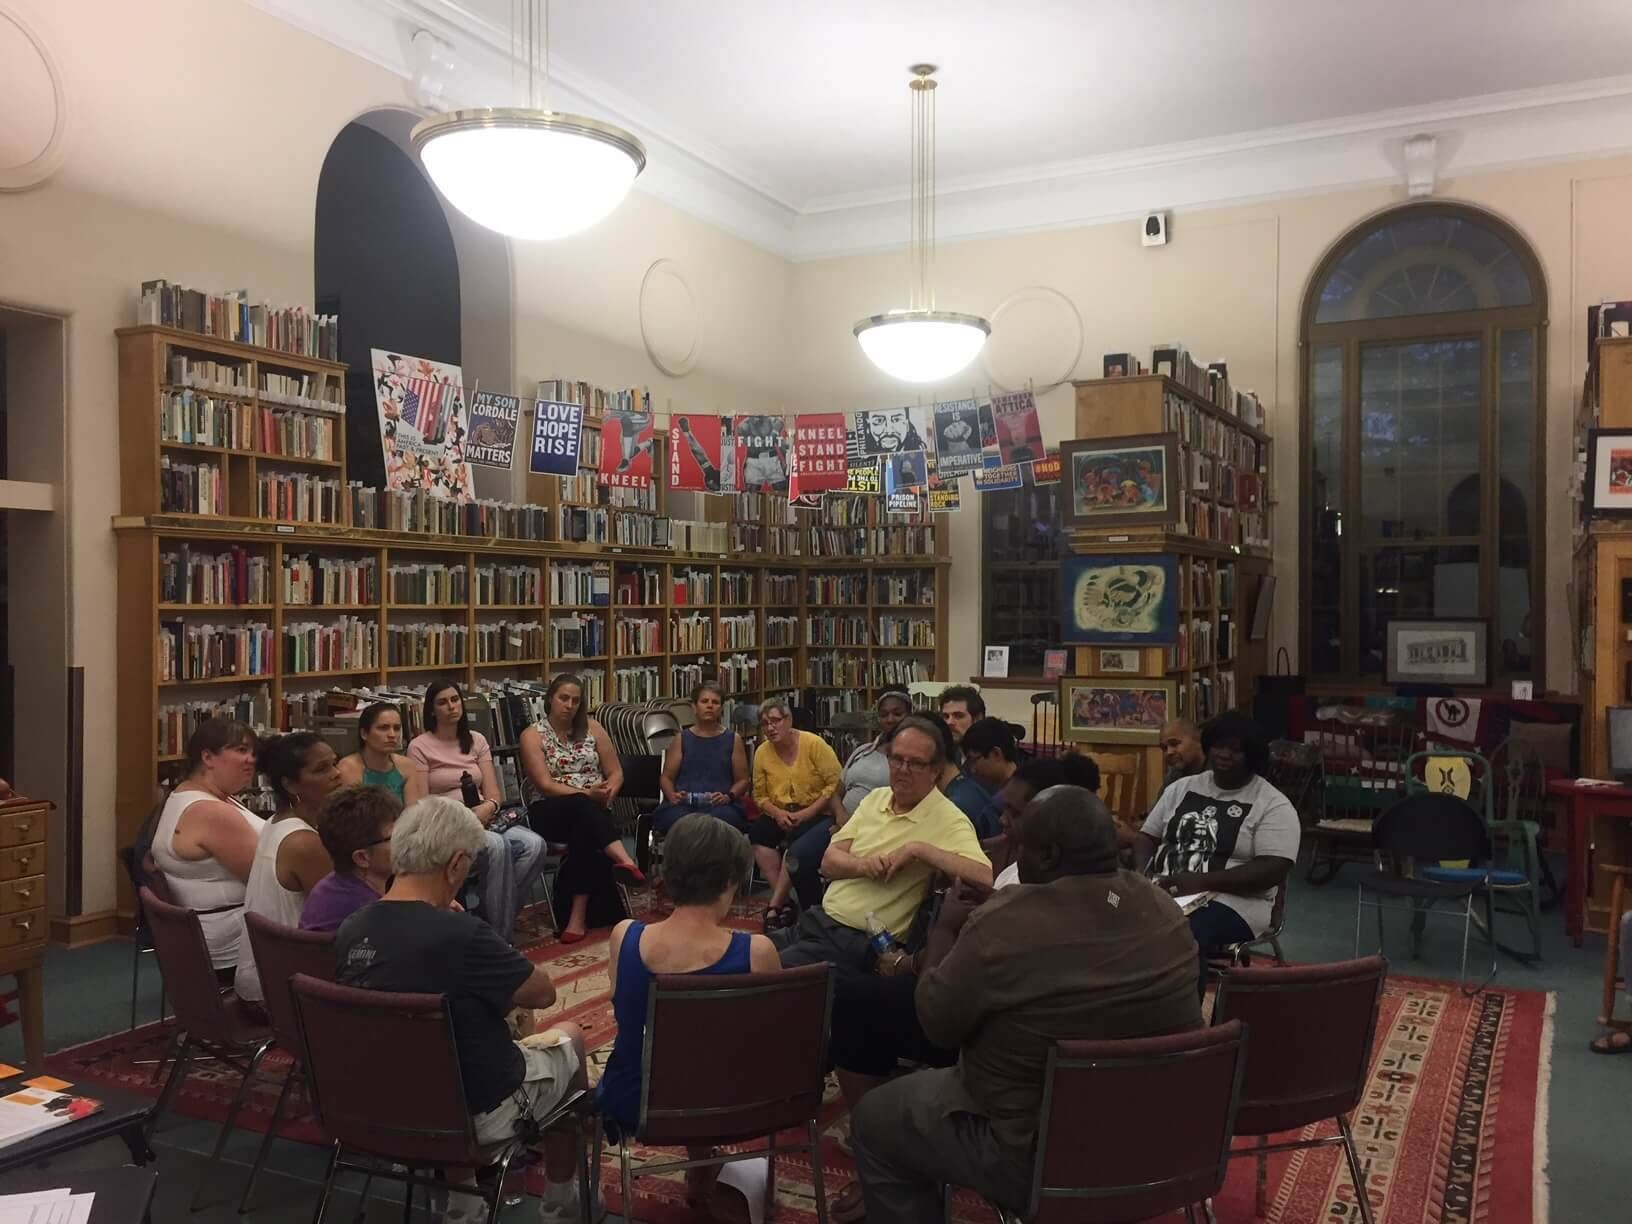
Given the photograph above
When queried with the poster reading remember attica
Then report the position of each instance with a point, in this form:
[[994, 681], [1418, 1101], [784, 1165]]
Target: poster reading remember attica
[[423, 424]]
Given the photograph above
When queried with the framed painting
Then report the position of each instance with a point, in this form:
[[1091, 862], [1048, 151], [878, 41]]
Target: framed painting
[[1115, 711], [1121, 599], [1448, 651], [1131, 481], [1119, 661], [1608, 491]]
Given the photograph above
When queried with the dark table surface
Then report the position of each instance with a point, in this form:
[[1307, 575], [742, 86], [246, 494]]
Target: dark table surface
[[123, 1193], [123, 1114]]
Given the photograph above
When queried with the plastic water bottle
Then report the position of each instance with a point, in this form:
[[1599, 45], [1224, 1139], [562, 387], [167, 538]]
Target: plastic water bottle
[[468, 790], [879, 937]]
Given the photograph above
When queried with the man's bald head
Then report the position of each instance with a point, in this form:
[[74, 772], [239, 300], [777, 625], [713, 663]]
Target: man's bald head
[[1066, 831], [1181, 746]]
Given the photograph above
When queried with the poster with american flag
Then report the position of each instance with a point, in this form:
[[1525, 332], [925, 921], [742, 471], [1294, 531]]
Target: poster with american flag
[[424, 424]]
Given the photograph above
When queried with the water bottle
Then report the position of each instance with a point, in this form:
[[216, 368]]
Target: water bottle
[[879, 937], [469, 791]]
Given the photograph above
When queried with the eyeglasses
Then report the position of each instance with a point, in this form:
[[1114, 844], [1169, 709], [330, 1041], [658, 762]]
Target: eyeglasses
[[908, 764]]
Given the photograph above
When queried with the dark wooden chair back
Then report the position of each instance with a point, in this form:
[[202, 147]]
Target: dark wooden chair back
[[698, 1089], [385, 1074], [1175, 1112], [280, 953], [154, 879], [189, 974], [1312, 1028]]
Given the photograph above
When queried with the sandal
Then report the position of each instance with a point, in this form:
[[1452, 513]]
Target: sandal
[[849, 1207], [1608, 1045], [630, 875]]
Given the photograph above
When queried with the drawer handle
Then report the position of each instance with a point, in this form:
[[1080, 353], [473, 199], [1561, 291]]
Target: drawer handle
[[24, 891], [25, 827], [23, 924], [24, 858]]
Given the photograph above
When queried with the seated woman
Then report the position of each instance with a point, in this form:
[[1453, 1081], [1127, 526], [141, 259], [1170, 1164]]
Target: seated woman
[[450, 754], [705, 863], [866, 770], [570, 776], [705, 768], [289, 858], [1029, 781], [355, 826], [204, 839], [379, 760], [795, 774]]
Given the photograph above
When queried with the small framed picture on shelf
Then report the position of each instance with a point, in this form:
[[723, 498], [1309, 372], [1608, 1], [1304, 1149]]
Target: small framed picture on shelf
[[1115, 711], [1448, 651], [1121, 482], [1608, 492], [1054, 664], [1120, 599], [996, 665], [1121, 661]]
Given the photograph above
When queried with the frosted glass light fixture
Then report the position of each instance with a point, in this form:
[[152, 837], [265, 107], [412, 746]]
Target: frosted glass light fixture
[[920, 343], [529, 171]]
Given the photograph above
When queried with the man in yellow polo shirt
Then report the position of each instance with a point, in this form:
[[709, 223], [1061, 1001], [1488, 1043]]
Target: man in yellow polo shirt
[[880, 863]]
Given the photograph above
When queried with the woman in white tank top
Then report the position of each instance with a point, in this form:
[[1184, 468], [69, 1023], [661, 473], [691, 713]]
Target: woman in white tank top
[[204, 841], [289, 859]]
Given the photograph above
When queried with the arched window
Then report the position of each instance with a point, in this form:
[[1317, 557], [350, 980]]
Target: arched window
[[1421, 466]]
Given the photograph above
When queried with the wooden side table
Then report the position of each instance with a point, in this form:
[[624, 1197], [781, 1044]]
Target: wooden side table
[[23, 924], [1590, 808]]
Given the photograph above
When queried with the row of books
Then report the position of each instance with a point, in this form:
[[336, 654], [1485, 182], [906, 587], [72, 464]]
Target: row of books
[[297, 435], [206, 652], [916, 631], [692, 586], [229, 576], [693, 632], [429, 583], [639, 585], [765, 541], [625, 497], [898, 672], [643, 683], [1201, 431], [835, 590], [831, 629], [347, 644], [420, 512], [509, 585], [507, 639], [781, 630], [684, 677], [196, 418], [779, 671], [191, 488], [688, 536], [577, 637], [426, 645], [824, 706], [837, 541], [313, 391], [315, 581], [637, 636], [597, 402], [580, 584], [901, 540], [209, 374], [298, 497], [739, 673], [179, 719], [739, 632], [780, 589], [230, 316], [1205, 698], [766, 510], [736, 586], [899, 590], [832, 668]]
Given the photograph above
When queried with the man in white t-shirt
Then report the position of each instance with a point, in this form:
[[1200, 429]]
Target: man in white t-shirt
[[1224, 831]]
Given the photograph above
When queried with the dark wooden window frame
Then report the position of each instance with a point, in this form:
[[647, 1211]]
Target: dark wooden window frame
[[992, 566], [1487, 325]]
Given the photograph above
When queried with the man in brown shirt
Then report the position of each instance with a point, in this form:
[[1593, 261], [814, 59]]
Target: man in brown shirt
[[1079, 950]]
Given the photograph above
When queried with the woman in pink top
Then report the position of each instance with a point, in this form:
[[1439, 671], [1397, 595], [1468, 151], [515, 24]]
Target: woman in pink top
[[448, 752]]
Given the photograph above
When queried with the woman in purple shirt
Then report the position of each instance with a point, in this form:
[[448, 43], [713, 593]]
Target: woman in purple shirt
[[355, 828]]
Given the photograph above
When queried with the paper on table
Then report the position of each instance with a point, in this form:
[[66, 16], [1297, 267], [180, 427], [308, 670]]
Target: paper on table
[[43, 1207]]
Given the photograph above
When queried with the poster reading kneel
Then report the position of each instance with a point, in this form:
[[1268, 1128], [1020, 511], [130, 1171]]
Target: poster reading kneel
[[626, 449], [423, 424]]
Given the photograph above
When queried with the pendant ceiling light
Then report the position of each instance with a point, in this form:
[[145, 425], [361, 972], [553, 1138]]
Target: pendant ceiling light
[[922, 344], [526, 170]]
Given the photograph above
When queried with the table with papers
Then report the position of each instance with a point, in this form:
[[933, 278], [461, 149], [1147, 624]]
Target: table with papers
[[59, 1206]]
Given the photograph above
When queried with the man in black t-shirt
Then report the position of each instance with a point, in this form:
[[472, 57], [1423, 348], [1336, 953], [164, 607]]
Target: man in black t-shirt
[[416, 939]]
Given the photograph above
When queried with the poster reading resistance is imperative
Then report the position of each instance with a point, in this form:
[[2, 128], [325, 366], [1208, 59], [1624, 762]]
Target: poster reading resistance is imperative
[[557, 432], [423, 424]]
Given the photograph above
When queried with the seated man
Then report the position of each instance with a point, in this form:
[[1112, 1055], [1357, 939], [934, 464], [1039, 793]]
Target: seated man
[[961, 705], [1226, 832], [415, 938], [1181, 751], [881, 861], [1084, 950], [355, 826], [990, 759]]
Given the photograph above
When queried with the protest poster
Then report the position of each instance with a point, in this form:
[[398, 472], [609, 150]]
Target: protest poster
[[965, 439], [819, 454], [493, 420], [558, 430], [1046, 471], [943, 494], [694, 452], [761, 444], [626, 448], [991, 480], [423, 424], [906, 475], [1019, 433], [861, 469], [889, 431]]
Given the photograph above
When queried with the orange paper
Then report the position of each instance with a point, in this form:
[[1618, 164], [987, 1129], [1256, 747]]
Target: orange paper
[[7, 1070], [48, 1083]]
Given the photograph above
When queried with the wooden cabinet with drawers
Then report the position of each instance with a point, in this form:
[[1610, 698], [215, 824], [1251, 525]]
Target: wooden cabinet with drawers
[[23, 923]]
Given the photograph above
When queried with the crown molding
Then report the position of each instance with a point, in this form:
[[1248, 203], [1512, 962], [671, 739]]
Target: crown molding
[[1485, 133]]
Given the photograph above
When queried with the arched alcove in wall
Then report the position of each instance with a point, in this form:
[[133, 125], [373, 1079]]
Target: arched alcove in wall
[[405, 274]]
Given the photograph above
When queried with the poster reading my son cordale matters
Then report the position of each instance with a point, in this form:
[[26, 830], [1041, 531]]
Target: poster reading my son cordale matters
[[493, 418], [423, 424]]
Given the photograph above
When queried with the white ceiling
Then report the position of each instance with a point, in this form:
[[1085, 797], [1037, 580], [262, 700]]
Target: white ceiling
[[804, 104]]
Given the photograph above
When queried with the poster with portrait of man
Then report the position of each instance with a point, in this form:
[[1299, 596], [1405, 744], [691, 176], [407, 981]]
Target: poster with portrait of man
[[761, 444], [965, 437], [895, 431]]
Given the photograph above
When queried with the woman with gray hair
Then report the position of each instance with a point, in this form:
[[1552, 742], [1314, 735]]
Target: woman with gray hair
[[795, 774], [415, 938]]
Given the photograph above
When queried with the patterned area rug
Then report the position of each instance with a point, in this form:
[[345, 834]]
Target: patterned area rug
[[1452, 1129]]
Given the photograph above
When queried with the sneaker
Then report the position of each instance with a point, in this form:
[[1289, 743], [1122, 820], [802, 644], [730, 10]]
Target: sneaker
[[559, 1204]]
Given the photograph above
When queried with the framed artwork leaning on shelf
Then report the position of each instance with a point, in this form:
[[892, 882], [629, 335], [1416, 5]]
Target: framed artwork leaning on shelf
[[1120, 599], [1119, 661], [1115, 711], [1121, 482], [1448, 651], [1608, 491]]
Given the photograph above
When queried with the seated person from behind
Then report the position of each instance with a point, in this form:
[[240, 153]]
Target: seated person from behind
[[1182, 752], [882, 860], [705, 768], [1082, 950], [1224, 831], [990, 759], [355, 827], [1029, 781], [795, 774], [705, 863], [415, 940]]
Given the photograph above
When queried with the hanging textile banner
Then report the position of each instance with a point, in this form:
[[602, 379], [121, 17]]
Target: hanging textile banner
[[991, 480], [944, 493], [819, 454], [906, 475], [1019, 433], [694, 452], [1046, 471], [626, 448], [423, 425], [493, 420], [890, 431], [965, 439], [762, 453], [558, 431]]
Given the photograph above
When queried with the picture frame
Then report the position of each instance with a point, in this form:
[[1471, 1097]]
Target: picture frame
[[1129, 481], [1120, 660], [1608, 490], [1119, 599], [1097, 710], [1446, 650]]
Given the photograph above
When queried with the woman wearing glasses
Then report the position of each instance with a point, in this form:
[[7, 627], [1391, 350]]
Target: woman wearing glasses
[[795, 774], [355, 827]]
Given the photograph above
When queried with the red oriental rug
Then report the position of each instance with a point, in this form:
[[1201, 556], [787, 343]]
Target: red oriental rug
[[1453, 1128]]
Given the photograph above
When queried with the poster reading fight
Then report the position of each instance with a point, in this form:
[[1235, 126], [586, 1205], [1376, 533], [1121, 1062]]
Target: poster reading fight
[[695, 452], [493, 420], [626, 448], [423, 424], [557, 432], [761, 443], [820, 463]]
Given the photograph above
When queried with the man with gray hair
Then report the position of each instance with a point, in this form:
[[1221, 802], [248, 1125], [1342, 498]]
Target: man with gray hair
[[881, 861], [1081, 949], [416, 938]]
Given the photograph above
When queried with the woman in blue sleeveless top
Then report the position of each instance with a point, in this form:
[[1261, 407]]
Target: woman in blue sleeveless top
[[705, 768], [705, 863]]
